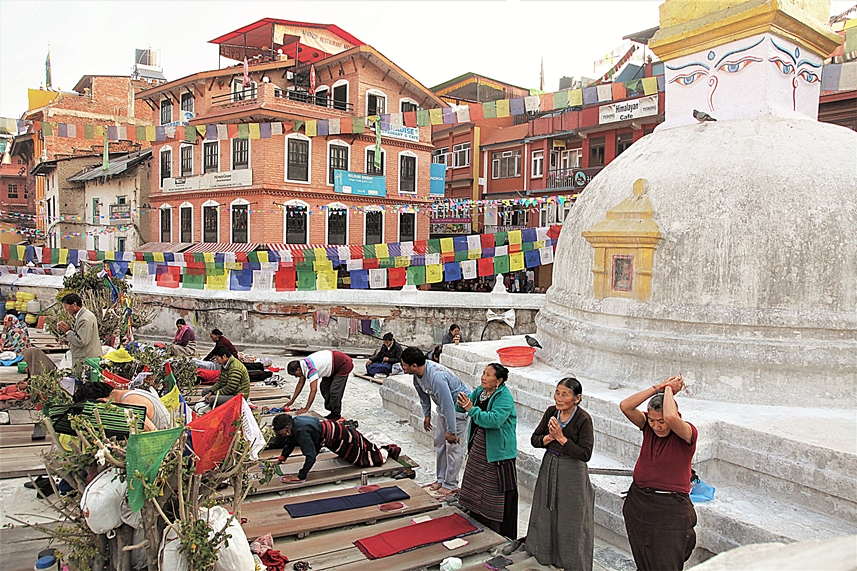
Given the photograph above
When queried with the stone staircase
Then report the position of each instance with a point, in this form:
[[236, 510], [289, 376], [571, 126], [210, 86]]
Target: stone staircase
[[782, 474]]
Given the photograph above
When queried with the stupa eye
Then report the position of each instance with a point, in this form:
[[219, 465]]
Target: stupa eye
[[736, 66], [784, 67], [808, 76], [688, 78]]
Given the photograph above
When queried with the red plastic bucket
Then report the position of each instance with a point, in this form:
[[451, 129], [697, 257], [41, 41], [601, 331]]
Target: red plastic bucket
[[516, 356]]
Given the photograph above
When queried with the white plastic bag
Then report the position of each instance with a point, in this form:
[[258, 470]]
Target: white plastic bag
[[134, 519], [236, 556], [101, 502], [171, 559]]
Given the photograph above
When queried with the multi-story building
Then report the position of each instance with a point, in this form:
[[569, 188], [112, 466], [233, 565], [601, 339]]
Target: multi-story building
[[269, 182], [17, 189]]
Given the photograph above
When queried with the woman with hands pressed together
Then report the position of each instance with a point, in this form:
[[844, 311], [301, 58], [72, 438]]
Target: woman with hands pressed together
[[489, 488], [659, 515], [561, 530]]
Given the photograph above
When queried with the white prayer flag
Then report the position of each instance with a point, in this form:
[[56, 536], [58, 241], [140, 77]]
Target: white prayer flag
[[406, 248], [501, 250], [605, 92], [276, 128], [378, 278], [474, 242], [541, 233], [531, 103], [262, 280], [432, 259], [222, 132], [354, 264], [468, 269], [463, 114], [333, 126], [251, 430], [546, 255], [344, 252]]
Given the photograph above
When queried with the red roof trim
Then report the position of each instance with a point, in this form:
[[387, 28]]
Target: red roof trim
[[264, 21]]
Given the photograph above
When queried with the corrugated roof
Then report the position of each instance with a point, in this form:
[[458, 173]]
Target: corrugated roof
[[116, 166], [220, 247], [506, 134], [175, 247]]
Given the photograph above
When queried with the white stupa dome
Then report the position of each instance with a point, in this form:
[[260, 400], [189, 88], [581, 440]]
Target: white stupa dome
[[754, 285]]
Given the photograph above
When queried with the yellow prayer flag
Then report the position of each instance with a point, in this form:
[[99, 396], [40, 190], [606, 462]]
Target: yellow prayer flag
[[382, 251], [650, 85], [158, 256], [322, 266], [326, 279], [98, 132], [436, 116], [254, 131], [434, 273], [40, 98], [474, 254], [171, 399], [320, 253], [539, 244], [108, 255], [201, 130], [403, 261], [208, 257], [446, 245], [515, 237], [575, 98], [233, 265], [217, 282], [516, 262], [63, 256], [22, 252], [263, 257], [150, 133], [311, 128], [503, 108]]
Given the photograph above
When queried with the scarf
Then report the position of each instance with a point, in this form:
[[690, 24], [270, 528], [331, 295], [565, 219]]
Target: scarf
[[180, 333]]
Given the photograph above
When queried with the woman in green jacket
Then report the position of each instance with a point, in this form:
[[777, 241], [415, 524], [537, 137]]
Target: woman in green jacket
[[489, 488]]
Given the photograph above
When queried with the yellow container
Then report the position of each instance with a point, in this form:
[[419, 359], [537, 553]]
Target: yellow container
[[10, 305], [24, 296], [31, 319]]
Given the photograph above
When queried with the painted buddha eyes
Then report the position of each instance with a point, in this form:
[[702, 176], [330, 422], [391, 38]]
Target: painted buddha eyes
[[688, 78], [784, 67], [808, 76], [736, 66]]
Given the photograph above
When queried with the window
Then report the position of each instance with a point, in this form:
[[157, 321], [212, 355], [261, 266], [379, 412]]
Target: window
[[506, 164], [211, 156], [374, 227], [322, 96], [12, 191], [538, 163], [297, 168], [337, 225], [166, 111], [596, 152], [407, 173], [121, 200], [240, 154], [186, 224], [95, 243], [376, 103], [296, 224], [570, 159], [461, 155], [440, 156], [187, 102], [120, 244], [186, 160], [407, 226], [406, 105], [166, 164], [166, 224], [370, 162], [209, 223], [96, 210], [240, 93], [623, 141], [240, 223], [337, 159], [340, 95]]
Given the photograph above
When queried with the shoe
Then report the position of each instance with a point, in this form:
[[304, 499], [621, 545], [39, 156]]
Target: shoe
[[406, 474], [333, 417], [394, 449], [45, 488], [351, 424]]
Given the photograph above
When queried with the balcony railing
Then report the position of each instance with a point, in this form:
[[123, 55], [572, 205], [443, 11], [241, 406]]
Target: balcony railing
[[267, 90], [317, 100], [571, 178]]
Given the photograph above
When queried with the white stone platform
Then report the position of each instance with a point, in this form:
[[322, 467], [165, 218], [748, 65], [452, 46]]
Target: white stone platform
[[782, 474]]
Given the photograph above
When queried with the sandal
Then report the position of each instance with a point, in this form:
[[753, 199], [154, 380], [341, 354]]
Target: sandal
[[406, 474]]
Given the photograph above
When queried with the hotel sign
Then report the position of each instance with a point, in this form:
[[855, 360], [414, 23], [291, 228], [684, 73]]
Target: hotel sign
[[209, 181], [347, 182], [625, 110]]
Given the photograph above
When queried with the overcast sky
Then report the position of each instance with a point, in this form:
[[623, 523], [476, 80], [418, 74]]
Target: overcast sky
[[433, 41]]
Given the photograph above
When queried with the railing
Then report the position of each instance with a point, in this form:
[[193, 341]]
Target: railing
[[246, 94], [571, 178], [307, 97]]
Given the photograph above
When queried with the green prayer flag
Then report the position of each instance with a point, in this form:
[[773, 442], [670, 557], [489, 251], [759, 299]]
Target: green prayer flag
[[144, 455], [243, 131], [190, 134], [309, 255], [434, 246], [423, 118], [198, 257], [560, 99], [461, 255], [47, 130], [253, 257], [489, 110], [306, 281], [416, 275], [501, 264], [148, 256], [527, 246], [170, 382], [386, 262], [89, 131], [99, 255], [304, 266], [358, 125], [191, 281], [369, 251], [141, 132], [499, 239]]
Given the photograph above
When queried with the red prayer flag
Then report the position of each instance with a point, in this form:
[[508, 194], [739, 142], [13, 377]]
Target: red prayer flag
[[241, 257], [212, 434], [371, 264], [487, 240], [410, 118], [619, 91], [485, 266], [356, 252], [476, 112], [553, 231], [115, 380], [285, 279], [447, 257], [397, 277], [232, 130], [420, 247]]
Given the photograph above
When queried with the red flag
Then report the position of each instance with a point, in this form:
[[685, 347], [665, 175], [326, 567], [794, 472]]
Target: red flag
[[485, 266], [312, 79], [397, 277], [115, 380], [212, 434]]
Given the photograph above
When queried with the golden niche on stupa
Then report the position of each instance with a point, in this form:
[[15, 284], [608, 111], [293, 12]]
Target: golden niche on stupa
[[625, 243]]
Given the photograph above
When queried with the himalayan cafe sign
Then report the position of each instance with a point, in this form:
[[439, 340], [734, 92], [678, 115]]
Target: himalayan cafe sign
[[625, 110]]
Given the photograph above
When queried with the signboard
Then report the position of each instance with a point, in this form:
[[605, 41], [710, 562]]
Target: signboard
[[185, 118], [318, 38], [120, 212], [406, 133], [208, 181], [625, 110], [347, 182], [437, 179], [449, 228]]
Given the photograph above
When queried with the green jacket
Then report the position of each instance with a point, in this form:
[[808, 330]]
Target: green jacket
[[499, 422], [233, 379]]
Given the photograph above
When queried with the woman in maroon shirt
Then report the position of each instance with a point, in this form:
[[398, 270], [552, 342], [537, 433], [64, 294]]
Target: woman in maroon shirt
[[659, 516], [221, 341]]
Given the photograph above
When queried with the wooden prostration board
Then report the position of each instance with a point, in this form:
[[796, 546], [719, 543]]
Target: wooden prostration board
[[270, 516], [337, 550], [22, 461]]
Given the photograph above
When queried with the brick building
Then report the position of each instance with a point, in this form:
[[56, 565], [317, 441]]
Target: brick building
[[271, 188], [17, 189]]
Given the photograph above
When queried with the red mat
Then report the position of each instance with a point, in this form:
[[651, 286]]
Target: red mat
[[414, 536]]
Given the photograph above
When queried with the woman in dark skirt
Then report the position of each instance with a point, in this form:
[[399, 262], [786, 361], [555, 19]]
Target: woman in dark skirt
[[561, 530], [489, 488]]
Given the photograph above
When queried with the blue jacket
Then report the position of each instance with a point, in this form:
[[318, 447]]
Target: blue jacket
[[499, 422], [306, 433]]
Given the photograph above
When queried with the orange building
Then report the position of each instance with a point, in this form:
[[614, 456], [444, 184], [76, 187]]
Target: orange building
[[279, 185]]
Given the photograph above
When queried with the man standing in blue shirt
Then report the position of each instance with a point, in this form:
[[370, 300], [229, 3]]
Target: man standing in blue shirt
[[434, 382]]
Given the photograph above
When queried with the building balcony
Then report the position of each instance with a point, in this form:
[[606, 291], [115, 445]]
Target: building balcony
[[271, 97], [569, 178]]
